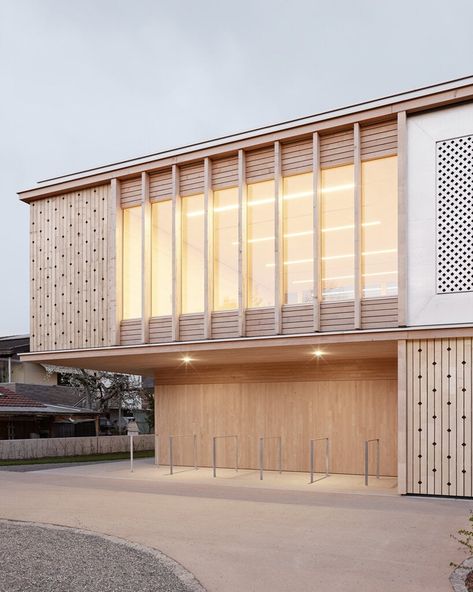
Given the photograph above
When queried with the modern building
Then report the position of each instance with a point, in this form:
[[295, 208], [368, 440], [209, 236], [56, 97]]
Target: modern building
[[308, 279]]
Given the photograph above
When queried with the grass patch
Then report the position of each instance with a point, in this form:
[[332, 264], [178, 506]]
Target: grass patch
[[81, 458]]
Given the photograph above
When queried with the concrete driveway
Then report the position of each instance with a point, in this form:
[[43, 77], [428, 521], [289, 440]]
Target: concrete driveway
[[235, 535]]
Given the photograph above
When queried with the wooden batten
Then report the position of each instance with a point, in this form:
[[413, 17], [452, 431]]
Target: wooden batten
[[242, 232], [176, 253], [278, 240], [191, 179], [379, 140], [160, 185], [145, 258], [225, 172], [336, 148], [208, 249], [259, 164], [131, 332], [160, 329], [401, 418], [402, 216], [296, 157], [358, 220], [130, 192], [316, 246]]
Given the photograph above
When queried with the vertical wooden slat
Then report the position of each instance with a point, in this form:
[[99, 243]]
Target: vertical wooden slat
[[436, 454], [357, 233], [208, 249], [429, 419], [279, 240], [316, 209], [145, 258], [115, 258], [467, 419], [242, 232], [176, 253], [422, 412], [402, 217], [402, 418]]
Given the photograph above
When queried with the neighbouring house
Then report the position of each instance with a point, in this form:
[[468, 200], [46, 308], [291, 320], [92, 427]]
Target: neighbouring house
[[308, 279], [22, 417]]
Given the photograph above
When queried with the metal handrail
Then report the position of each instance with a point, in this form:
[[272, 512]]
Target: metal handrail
[[214, 452], [171, 438], [367, 442], [261, 453], [312, 456]]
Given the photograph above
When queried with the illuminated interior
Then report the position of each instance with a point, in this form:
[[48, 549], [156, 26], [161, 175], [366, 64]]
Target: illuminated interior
[[225, 249], [192, 271], [379, 227], [337, 233], [132, 287], [161, 258], [298, 239], [260, 247]]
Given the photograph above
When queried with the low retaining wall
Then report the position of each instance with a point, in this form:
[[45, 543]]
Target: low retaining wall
[[42, 447]]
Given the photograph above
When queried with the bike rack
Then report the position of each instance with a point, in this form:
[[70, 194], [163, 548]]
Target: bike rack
[[261, 453], [171, 439], [214, 452], [312, 457], [367, 442]]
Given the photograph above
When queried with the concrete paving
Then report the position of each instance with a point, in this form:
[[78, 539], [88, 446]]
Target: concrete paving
[[236, 533]]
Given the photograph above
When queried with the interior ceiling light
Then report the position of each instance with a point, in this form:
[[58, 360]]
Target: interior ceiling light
[[318, 353]]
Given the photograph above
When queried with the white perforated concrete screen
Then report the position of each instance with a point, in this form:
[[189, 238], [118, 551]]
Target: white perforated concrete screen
[[455, 215]]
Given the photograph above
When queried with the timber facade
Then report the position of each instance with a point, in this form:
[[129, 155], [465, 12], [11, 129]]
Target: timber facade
[[311, 278]]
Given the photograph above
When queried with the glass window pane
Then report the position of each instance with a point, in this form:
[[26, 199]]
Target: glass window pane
[[260, 218], [225, 225], [132, 263], [337, 233], [192, 230], [161, 258], [379, 227], [298, 239]]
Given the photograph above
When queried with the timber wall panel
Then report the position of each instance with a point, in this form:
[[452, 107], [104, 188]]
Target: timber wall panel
[[336, 149], [260, 321], [191, 179], [130, 332], [297, 318], [259, 164], [130, 192], [378, 140], [69, 271], [337, 316], [439, 417], [160, 329], [160, 185], [225, 324], [225, 172], [377, 313], [191, 327], [347, 411], [296, 157]]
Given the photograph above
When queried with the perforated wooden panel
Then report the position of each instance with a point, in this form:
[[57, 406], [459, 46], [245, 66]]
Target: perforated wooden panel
[[69, 272], [455, 215], [439, 417]]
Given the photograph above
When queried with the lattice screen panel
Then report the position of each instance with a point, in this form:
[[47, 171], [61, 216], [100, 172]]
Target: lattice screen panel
[[440, 417], [455, 215]]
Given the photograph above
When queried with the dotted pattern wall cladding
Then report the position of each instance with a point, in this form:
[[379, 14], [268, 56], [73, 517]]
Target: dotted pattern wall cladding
[[69, 273], [439, 417], [455, 215]]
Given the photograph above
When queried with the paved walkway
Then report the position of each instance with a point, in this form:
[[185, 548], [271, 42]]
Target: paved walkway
[[236, 534]]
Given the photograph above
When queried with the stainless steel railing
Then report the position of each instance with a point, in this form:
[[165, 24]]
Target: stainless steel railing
[[312, 457], [367, 443], [171, 442], [261, 453], [214, 451]]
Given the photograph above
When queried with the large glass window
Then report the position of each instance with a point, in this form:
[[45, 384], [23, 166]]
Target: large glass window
[[132, 263], [193, 254], [379, 229], [298, 239], [225, 248], [337, 232], [260, 218], [161, 258]]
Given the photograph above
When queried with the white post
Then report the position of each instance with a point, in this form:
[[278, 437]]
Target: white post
[[131, 453]]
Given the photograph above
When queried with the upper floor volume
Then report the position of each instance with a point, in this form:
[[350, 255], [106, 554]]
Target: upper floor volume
[[357, 219]]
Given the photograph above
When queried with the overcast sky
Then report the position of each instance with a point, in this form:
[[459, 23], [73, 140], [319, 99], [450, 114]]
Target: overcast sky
[[88, 82]]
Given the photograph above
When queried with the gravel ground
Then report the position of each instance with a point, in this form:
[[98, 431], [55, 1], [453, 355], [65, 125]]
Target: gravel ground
[[43, 558]]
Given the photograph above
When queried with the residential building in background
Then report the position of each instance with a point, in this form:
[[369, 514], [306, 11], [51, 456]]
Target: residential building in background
[[308, 279]]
